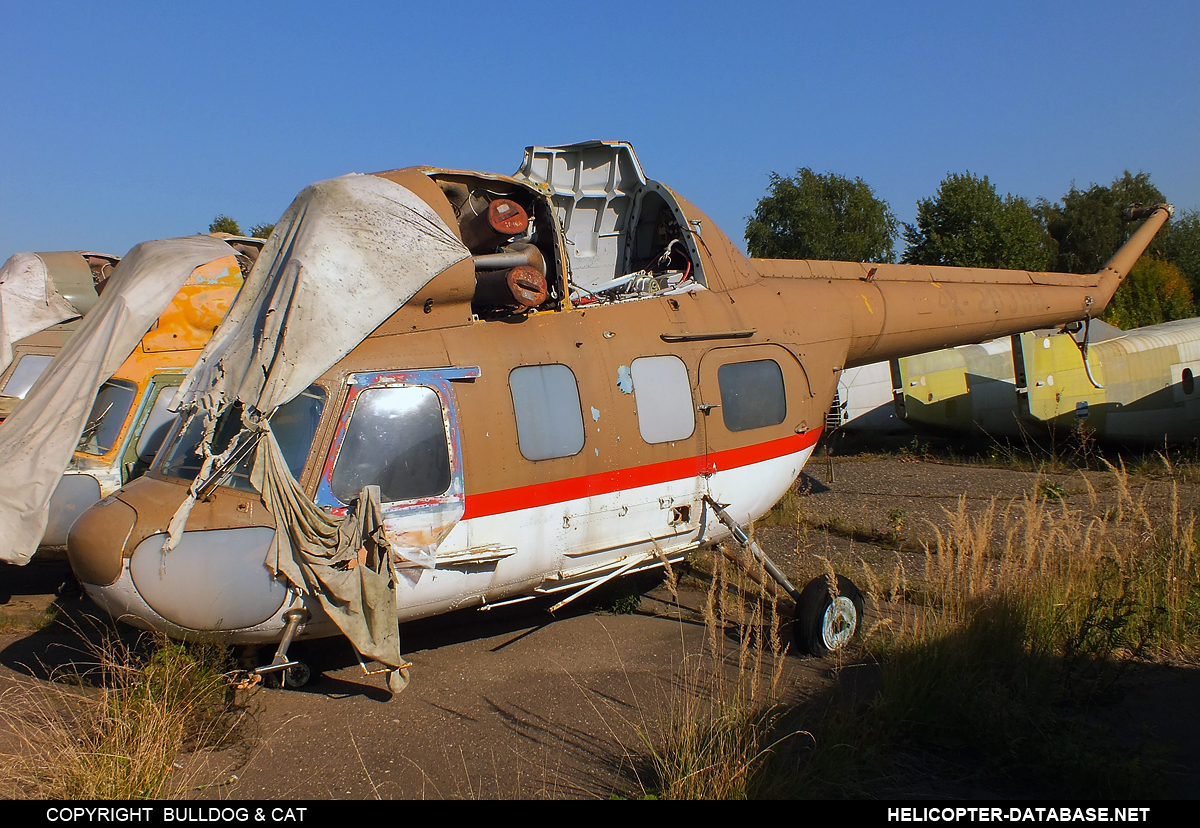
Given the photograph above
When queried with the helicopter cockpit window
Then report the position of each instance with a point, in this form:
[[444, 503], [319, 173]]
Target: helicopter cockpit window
[[752, 394], [396, 439], [664, 399], [157, 425], [107, 416], [549, 417], [294, 426], [25, 374]]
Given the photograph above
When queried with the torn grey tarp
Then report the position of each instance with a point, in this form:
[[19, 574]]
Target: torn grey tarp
[[320, 554], [38, 439], [30, 300], [346, 255]]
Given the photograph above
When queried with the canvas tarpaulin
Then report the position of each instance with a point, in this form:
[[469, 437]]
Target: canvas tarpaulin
[[345, 256], [29, 301], [320, 554], [38, 439]]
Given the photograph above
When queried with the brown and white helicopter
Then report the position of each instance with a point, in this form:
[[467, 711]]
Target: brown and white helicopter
[[441, 389]]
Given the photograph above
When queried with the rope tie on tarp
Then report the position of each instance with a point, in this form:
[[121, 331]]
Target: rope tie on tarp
[[344, 562]]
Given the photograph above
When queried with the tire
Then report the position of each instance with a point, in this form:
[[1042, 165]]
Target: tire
[[297, 675], [823, 624]]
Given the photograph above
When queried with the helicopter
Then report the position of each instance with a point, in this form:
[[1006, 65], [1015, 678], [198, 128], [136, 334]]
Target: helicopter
[[42, 297], [441, 389], [128, 417]]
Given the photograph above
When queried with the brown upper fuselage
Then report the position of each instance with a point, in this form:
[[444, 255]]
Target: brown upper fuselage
[[813, 318]]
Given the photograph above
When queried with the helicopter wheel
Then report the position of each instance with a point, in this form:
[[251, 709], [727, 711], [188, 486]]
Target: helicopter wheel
[[297, 675], [824, 623]]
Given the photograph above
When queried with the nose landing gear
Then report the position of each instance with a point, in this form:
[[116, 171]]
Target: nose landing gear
[[281, 672]]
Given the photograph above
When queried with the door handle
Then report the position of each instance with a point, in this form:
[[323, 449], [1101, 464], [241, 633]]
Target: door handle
[[705, 408]]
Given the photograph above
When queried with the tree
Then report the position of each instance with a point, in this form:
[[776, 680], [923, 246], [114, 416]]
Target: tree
[[224, 224], [813, 216], [261, 231], [1181, 246], [967, 224], [1154, 291], [1087, 225]]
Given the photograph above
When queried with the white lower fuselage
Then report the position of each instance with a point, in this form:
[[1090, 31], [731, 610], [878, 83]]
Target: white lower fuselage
[[551, 538]]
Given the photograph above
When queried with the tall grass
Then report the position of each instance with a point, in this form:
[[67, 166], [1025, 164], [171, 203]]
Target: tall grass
[[723, 722], [988, 663], [1089, 584], [1026, 615], [117, 731]]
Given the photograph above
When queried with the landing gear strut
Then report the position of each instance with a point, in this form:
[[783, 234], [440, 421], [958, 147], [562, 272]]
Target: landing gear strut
[[824, 622], [287, 673]]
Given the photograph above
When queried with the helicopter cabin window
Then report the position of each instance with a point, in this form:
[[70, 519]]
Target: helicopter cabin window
[[752, 394], [549, 416], [25, 374], [396, 439], [664, 399], [157, 425], [107, 416], [294, 426]]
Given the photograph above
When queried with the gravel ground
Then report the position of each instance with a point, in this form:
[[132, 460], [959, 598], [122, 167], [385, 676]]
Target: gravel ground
[[515, 703]]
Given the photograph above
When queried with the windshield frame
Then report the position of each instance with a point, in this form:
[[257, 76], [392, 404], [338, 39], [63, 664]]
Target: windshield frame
[[104, 423], [438, 380], [158, 470]]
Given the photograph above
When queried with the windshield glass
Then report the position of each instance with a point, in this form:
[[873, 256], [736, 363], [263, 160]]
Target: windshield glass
[[396, 439], [113, 401], [25, 374], [157, 426], [294, 424]]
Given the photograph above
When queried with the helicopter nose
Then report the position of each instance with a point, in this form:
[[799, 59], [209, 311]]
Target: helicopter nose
[[97, 539]]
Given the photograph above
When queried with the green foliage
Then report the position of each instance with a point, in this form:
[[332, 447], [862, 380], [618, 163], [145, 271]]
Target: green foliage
[[626, 603], [1050, 490], [813, 216], [1087, 225], [225, 224], [261, 231], [1155, 291], [1181, 245], [967, 224]]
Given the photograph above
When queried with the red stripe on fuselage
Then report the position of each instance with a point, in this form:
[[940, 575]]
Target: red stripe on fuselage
[[591, 485]]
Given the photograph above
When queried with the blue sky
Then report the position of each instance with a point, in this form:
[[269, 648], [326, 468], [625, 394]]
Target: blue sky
[[125, 122]]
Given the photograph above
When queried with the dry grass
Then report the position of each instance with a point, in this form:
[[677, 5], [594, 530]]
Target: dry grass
[[1099, 585], [723, 722], [989, 662], [1027, 614], [117, 731], [11, 622]]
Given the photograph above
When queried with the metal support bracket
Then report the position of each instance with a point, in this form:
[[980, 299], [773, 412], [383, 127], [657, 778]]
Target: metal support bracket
[[1083, 351], [294, 618], [749, 543], [633, 561]]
